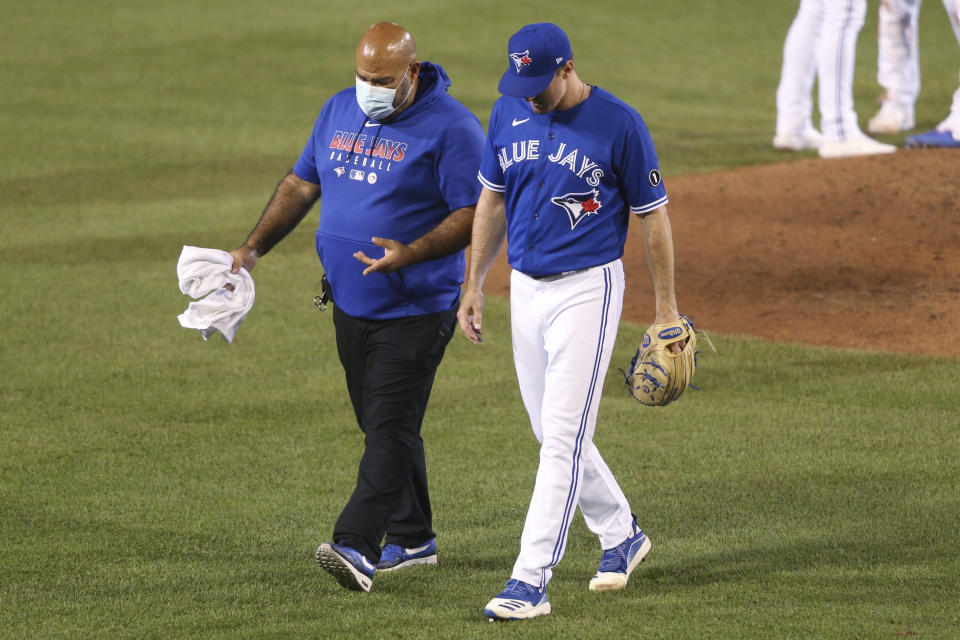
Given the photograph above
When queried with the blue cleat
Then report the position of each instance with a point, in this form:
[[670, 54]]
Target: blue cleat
[[350, 567], [519, 601], [396, 557], [935, 138], [617, 563]]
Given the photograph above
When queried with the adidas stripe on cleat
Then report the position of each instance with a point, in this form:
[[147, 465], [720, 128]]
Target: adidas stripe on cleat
[[518, 601]]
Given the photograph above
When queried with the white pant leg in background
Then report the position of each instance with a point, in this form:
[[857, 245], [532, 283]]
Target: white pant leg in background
[[795, 91], [898, 53], [836, 54], [563, 336], [952, 123]]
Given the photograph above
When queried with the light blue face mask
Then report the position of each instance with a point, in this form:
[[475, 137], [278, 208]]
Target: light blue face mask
[[377, 102]]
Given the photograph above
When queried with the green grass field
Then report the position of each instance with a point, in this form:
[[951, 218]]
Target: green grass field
[[155, 486]]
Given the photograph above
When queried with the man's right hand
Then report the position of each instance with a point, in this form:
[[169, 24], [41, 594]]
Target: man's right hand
[[244, 256], [470, 315]]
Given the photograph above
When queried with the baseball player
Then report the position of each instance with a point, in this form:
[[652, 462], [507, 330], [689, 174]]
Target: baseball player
[[898, 65], [947, 133], [393, 161], [822, 43], [564, 166]]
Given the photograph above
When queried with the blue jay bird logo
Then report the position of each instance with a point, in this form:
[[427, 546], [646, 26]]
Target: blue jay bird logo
[[578, 205], [520, 60]]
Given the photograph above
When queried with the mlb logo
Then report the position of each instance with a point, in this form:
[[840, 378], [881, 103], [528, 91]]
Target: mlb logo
[[356, 174]]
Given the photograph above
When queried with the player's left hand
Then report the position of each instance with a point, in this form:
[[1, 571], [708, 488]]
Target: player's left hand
[[678, 346], [396, 256], [658, 373]]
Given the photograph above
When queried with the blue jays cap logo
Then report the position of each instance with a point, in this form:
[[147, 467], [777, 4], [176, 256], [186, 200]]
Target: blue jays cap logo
[[534, 52], [578, 205], [521, 60]]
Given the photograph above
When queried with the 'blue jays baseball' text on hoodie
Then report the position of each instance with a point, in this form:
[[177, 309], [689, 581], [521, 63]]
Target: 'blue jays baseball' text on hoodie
[[399, 180]]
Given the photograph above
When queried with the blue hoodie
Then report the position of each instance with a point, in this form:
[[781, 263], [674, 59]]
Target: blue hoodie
[[399, 180]]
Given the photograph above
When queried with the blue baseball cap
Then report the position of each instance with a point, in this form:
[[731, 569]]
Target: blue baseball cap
[[533, 56]]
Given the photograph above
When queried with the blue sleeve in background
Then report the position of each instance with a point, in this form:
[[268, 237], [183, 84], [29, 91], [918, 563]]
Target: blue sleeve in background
[[457, 163], [491, 174]]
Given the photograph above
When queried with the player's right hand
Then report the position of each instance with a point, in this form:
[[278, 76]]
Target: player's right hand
[[470, 315]]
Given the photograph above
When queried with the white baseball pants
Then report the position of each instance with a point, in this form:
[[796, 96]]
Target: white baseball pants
[[952, 123], [898, 52], [898, 59], [821, 43], [563, 336]]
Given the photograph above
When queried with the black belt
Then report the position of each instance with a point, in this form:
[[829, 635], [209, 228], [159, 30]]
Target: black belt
[[557, 276]]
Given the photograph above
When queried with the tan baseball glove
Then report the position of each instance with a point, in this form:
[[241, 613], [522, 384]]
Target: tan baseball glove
[[657, 376]]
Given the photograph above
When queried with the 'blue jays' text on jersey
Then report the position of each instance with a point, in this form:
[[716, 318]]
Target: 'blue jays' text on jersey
[[396, 180], [569, 179]]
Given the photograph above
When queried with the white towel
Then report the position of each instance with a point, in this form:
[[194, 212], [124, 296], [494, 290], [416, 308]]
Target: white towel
[[201, 271]]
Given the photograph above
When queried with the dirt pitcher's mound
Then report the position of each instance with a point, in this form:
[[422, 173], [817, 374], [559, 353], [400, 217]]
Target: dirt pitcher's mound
[[858, 252]]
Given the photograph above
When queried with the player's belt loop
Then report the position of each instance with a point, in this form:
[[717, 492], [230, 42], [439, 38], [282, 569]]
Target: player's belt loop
[[557, 276]]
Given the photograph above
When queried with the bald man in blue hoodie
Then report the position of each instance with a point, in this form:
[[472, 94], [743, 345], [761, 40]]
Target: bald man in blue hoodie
[[393, 161]]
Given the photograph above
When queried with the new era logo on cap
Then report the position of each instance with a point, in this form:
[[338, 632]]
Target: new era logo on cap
[[534, 53]]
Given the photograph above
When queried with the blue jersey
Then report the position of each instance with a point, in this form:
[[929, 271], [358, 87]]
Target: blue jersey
[[394, 180], [570, 179]]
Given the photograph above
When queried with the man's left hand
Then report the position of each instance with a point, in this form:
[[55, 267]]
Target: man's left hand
[[396, 256]]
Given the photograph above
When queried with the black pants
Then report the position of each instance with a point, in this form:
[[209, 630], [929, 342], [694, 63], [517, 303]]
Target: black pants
[[390, 367]]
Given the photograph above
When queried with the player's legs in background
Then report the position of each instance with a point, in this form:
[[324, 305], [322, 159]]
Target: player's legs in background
[[898, 65], [947, 133], [581, 313], [795, 130], [836, 55], [952, 123]]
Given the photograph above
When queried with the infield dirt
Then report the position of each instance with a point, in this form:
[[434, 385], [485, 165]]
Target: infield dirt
[[858, 252]]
